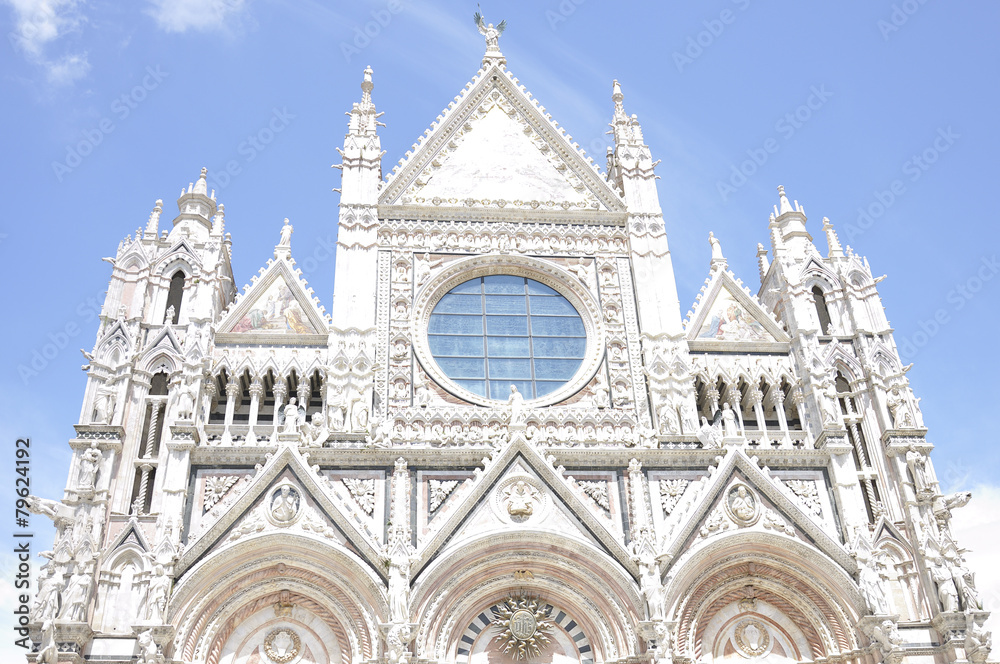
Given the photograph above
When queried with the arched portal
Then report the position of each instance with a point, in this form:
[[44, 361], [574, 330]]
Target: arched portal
[[274, 594], [745, 595], [582, 600]]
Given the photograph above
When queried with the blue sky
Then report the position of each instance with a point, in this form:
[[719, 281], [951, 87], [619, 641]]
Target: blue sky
[[883, 106]]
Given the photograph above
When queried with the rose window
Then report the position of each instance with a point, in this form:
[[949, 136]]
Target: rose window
[[492, 332]]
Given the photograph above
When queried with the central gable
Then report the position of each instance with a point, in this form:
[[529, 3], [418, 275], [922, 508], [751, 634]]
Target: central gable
[[496, 149]]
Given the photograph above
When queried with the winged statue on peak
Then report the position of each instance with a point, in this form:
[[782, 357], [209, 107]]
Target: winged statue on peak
[[488, 30]]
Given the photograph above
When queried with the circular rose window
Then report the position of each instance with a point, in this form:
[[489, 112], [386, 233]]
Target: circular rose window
[[494, 331]]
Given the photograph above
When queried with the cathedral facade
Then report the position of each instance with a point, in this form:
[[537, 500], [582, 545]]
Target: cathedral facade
[[504, 443]]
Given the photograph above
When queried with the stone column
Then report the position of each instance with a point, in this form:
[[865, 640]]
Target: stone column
[[280, 390], [256, 393]]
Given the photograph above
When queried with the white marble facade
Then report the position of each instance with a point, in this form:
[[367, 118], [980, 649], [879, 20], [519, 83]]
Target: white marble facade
[[503, 442]]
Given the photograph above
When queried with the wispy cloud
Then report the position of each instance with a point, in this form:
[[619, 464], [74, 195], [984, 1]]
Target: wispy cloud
[[39, 24], [198, 15]]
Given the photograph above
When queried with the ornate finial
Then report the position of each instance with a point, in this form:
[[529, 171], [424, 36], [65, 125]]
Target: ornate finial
[[492, 35], [153, 226], [219, 221], [366, 87], [784, 206], [832, 241], [762, 263], [201, 186]]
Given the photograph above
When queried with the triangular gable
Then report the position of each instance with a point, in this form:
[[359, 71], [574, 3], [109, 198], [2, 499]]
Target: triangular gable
[[183, 248], [495, 148], [706, 516], [277, 304], [519, 458], [130, 534], [815, 266], [287, 462], [164, 341], [728, 318]]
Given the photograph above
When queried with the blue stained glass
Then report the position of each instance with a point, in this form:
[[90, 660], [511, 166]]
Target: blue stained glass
[[463, 368], [506, 304], [543, 387], [508, 346], [551, 306], [460, 304], [513, 369], [445, 324], [474, 386], [482, 335], [559, 346], [535, 288], [555, 369], [511, 326], [557, 326], [471, 286], [504, 284], [444, 345]]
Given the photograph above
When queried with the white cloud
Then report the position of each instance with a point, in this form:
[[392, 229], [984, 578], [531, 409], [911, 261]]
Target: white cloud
[[38, 24], [201, 15], [977, 527], [68, 68]]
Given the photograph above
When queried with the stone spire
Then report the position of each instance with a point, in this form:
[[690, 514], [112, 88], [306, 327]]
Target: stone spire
[[153, 225], [790, 223], [762, 263], [831, 240], [196, 209], [631, 170]]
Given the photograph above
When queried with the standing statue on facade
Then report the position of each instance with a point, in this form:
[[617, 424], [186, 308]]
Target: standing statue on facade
[[515, 402], [47, 600], [917, 463], [286, 235], [291, 412], [90, 465], [729, 421], [159, 591], [491, 33], [77, 594], [872, 585], [946, 591]]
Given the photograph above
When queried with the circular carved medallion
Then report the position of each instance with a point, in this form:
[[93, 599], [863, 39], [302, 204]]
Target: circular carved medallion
[[282, 645], [752, 638], [742, 505], [522, 625], [284, 506]]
